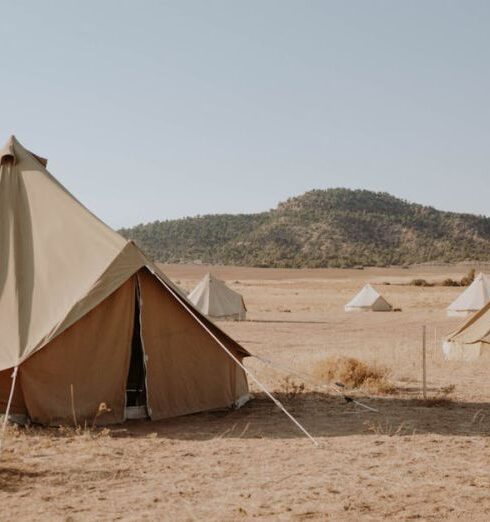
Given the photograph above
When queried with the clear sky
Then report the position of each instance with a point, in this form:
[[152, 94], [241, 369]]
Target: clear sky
[[156, 109]]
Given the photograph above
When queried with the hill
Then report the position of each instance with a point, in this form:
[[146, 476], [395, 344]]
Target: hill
[[321, 228]]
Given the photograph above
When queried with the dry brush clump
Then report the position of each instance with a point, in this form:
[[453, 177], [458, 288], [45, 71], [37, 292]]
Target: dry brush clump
[[291, 388], [441, 399], [353, 373], [465, 281]]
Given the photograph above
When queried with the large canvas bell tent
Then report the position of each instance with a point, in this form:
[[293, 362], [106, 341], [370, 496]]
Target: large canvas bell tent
[[472, 299], [214, 299], [368, 300], [87, 319], [472, 339]]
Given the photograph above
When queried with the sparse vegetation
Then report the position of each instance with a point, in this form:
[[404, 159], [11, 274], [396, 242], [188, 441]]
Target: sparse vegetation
[[420, 282], [442, 398], [321, 228], [290, 387], [385, 427], [469, 278], [354, 373], [465, 281], [450, 282]]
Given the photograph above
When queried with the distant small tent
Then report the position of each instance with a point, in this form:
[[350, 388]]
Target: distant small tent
[[214, 299], [368, 300], [475, 297], [471, 340]]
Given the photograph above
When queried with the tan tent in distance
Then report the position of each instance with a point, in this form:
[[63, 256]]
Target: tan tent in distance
[[215, 300], [471, 340], [472, 299], [86, 318], [368, 300]]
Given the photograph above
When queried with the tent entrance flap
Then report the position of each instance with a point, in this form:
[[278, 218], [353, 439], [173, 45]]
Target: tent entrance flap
[[136, 406]]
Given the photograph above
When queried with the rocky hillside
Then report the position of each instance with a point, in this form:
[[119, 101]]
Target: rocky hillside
[[321, 228]]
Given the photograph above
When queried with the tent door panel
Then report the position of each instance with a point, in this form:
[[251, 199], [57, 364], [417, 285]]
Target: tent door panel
[[187, 370]]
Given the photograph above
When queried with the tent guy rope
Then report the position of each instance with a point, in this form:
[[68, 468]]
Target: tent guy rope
[[235, 359], [9, 404]]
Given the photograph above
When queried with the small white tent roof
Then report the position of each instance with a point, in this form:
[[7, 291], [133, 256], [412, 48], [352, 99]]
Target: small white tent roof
[[368, 299], [213, 298], [474, 330], [476, 296], [468, 341]]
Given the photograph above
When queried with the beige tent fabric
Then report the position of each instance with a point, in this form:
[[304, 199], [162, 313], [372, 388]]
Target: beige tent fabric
[[47, 382], [181, 298], [454, 351], [214, 299], [66, 304], [18, 405], [475, 329], [186, 370], [471, 339], [92, 355], [472, 299], [126, 264], [368, 299], [52, 250]]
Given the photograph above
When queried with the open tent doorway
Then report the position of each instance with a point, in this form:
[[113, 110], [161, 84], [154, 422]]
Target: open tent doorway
[[136, 398]]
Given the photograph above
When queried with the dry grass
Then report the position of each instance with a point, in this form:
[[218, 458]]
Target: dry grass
[[441, 399], [353, 373], [290, 387], [385, 427]]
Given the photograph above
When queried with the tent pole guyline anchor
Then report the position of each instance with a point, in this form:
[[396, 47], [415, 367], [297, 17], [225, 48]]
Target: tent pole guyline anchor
[[246, 370]]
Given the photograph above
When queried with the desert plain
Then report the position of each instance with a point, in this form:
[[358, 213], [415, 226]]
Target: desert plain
[[412, 459]]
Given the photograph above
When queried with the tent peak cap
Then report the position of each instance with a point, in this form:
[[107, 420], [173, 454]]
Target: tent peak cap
[[13, 152], [7, 152]]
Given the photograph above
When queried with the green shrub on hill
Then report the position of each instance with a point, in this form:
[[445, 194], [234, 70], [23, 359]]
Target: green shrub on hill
[[321, 228]]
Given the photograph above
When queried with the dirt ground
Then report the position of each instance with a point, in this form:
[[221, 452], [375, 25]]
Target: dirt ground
[[409, 460]]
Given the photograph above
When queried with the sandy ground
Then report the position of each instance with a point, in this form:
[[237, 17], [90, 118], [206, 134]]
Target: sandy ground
[[411, 460]]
